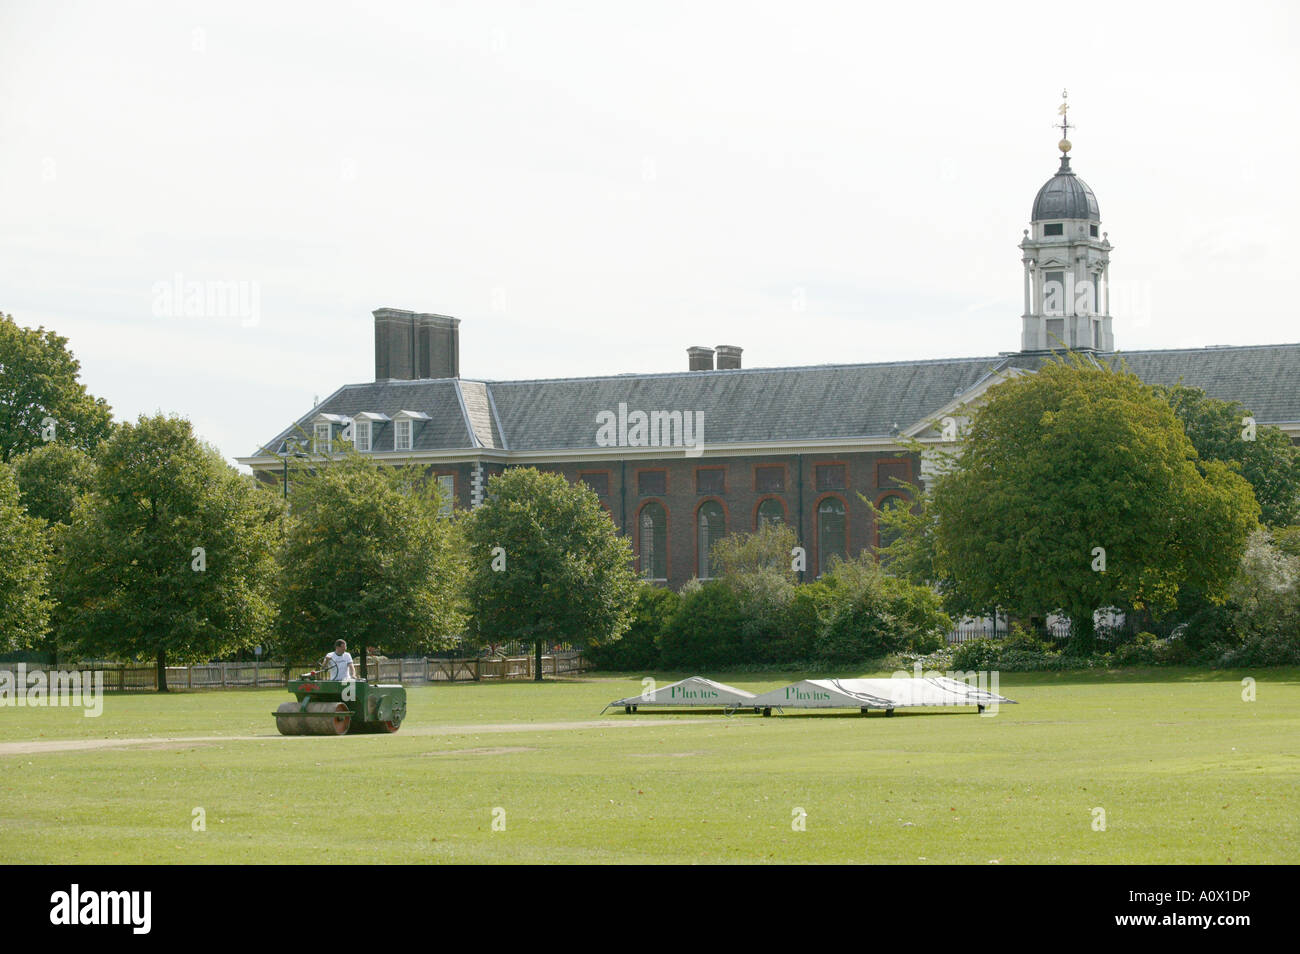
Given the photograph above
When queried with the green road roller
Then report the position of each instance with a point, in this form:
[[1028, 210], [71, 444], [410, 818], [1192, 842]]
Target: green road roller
[[331, 707]]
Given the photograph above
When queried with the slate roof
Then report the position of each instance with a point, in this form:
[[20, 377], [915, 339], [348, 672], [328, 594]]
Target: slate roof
[[478, 410], [777, 405], [741, 405], [439, 398], [1264, 378]]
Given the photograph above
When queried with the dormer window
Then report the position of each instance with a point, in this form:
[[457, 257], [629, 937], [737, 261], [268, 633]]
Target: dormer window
[[324, 428], [365, 430], [405, 424]]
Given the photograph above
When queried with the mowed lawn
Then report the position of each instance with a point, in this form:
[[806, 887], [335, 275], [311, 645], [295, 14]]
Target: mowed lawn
[[1184, 769]]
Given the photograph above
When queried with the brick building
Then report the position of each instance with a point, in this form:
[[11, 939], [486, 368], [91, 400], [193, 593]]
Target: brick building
[[680, 458]]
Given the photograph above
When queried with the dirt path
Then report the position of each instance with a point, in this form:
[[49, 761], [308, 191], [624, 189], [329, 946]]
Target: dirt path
[[180, 742]]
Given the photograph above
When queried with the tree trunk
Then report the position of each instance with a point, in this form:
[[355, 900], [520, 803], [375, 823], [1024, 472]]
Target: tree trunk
[[1083, 633], [162, 670], [537, 660]]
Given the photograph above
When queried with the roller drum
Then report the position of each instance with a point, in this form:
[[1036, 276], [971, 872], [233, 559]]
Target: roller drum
[[290, 719]]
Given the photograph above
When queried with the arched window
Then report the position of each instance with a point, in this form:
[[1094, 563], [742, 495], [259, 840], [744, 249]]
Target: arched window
[[653, 541], [770, 513], [832, 537], [712, 526]]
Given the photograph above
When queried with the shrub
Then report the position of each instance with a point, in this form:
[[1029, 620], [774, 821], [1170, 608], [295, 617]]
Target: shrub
[[1201, 623], [861, 627], [803, 621], [1022, 651], [1080, 644], [920, 611], [1026, 640], [977, 655], [1266, 590], [1287, 539], [1019, 661], [1271, 649], [757, 568], [866, 614], [1175, 651], [706, 629], [1141, 651], [926, 644], [638, 648]]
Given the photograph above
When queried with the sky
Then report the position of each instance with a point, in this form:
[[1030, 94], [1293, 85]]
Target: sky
[[593, 187]]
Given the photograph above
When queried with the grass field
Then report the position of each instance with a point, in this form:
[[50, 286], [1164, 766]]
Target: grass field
[[1185, 770]]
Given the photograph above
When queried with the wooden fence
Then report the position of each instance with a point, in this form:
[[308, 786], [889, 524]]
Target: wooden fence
[[229, 675]]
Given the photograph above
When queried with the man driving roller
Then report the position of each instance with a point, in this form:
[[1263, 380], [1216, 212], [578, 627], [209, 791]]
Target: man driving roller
[[339, 665]]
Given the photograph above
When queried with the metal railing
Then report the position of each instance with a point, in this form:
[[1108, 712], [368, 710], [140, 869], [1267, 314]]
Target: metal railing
[[1057, 633]]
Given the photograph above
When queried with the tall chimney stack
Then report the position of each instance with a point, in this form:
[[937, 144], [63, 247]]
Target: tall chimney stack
[[701, 358], [409, 345], [729, 357]]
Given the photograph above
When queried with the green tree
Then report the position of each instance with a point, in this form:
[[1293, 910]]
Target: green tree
[[51, 477], [24, 602], [547, 564], [758, 567], [369, 559], [38, 385], [1266, 590], [1265, 456], [170, 556], [1287, 539], [1074, 465], [907, 535], [867, 613], [767, 550], [638, 648]]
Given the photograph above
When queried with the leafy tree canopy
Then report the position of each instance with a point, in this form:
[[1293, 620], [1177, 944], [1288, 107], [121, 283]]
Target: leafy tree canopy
[[547, 563], [1265, 456], [368, 558], [38, 385], [24, 604], [907, 534], [51, 477], [1074, 465], [170, 555], [766, 550]]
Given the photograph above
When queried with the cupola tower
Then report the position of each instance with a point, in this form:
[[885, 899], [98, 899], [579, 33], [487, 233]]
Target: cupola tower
[[1067, 259]]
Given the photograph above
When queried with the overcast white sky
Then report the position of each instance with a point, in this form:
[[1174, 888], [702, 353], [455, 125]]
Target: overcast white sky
[[592, 187]]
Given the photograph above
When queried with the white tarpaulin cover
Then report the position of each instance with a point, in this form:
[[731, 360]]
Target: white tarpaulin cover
[[695, 691], [876, 694]]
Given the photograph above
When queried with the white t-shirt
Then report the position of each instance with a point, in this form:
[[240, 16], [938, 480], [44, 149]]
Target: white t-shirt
[[340, 666]]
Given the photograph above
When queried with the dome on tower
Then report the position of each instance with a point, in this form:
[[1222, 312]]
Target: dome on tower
[[1065, 196]]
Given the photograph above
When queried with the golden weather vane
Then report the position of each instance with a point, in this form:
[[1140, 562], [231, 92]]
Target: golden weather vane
[[1064, 112]]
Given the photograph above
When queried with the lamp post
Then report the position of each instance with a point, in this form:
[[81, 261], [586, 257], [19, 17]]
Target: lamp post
[[285, 462]]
